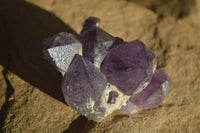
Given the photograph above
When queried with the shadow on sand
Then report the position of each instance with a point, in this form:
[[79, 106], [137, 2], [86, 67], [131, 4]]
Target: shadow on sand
[[23, 27]]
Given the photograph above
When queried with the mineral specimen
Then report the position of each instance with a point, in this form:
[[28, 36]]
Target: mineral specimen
[[111, 75]]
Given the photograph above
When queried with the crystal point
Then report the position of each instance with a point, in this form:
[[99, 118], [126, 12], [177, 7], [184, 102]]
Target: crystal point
[[96, 43], [129, 66], [151, 96], [86, 90], [60, 49], [90, 22]]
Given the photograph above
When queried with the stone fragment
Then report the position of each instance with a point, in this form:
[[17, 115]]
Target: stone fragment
[[129, 66], [60, 49], [86, 90], [150, 97]]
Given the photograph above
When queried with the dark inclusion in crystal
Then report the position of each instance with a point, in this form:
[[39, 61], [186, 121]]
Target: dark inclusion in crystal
[[103, 73], [112, 97]]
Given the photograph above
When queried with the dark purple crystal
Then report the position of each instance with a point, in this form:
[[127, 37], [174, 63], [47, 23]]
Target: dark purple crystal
[[150, 97], [96, 42], [90, 23], [129, 66]]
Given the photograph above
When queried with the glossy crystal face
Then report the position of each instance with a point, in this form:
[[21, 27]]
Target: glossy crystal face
[[128, 65], [102, 73]]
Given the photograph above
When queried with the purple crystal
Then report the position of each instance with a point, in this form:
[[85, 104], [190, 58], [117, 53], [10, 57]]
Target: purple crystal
[[96, 42], [86, 90], [60, 49], [151, 96], [129, 66], [112, 75]]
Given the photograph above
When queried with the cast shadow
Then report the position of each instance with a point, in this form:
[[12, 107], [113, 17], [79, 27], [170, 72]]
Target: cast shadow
[[80, 125], [23, 27]]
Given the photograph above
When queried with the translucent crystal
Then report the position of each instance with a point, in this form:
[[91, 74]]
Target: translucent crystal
[[129, 66], [90, 22], [60, 49], [111, 75], [86, 90], [150, 97], [96, 42]]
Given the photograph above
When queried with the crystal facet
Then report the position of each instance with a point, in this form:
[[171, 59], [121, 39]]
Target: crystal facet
[[96, 42], [151, 96], [86, 90], [129, 66], [60, 49], [111, 75]]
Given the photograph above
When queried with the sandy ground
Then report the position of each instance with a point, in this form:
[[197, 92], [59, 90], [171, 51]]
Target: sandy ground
[[30, 95]]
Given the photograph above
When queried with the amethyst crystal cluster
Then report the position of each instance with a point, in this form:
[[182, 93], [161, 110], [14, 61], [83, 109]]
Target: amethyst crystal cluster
[[102, 73]]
